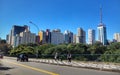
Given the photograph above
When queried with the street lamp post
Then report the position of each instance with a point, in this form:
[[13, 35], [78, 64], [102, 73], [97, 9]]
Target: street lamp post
[[37, 54], [34, 25]]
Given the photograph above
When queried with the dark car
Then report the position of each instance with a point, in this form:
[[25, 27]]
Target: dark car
[[22, 57], [1, 56]]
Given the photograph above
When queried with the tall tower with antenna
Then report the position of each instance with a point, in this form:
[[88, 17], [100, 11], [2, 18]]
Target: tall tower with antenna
[[102, 34], [100, 14]]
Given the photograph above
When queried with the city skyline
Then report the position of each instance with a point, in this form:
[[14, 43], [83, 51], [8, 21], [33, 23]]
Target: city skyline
[[65, 15], [22, 35]]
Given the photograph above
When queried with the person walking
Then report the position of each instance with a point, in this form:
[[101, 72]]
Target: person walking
[[69, 57], [56, 56]]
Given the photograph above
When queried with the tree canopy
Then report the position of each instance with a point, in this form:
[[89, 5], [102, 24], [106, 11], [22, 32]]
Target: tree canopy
[[95, 52]]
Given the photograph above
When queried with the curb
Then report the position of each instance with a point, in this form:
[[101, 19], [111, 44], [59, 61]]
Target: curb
[[95, 66], [86, 67]]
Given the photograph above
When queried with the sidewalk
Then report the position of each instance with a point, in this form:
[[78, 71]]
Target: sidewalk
[[79, 64]]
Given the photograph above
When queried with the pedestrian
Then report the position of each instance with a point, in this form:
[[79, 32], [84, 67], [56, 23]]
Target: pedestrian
[[18, 57], [56, 56], [69, 57], [61, 57]]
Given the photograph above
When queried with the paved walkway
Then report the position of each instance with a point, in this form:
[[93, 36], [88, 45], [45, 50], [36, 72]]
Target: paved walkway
[[92, 65]]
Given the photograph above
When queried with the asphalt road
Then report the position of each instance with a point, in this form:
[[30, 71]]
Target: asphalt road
[[12, 67]]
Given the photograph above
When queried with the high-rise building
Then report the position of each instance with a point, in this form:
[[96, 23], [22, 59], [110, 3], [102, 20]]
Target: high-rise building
[[91, 36], [74, 38], [48, 36], [20, 35], [7, 38], [116, 37], [81, 38], [14, 31], [102, 34], [17, 40], [38, 39], [57, 37], [68, 37], [42, 36], [27, 37], [56, 30]]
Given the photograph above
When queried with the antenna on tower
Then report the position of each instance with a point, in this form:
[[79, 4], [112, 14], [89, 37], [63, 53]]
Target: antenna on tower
[[100, 13]]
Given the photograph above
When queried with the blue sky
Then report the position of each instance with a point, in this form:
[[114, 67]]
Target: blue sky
[[62, 14]]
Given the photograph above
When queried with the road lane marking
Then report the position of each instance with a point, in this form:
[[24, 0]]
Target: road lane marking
[[33, 68]]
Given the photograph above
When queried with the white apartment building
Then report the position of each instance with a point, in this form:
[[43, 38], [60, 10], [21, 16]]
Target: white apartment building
[[117, 37], [91, 36], [17, 40]]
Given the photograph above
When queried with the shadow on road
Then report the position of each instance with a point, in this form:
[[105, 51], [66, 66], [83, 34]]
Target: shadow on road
[[5, 68], [7, 74]]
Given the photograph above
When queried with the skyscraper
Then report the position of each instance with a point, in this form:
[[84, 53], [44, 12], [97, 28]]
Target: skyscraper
[[42, 36], [91, 36], [116, 37], [81, 38], [14, 31], [57, 37], [48, 36], [74, 38], [20, 35], [102, 35], [27, 37], [68, 37]]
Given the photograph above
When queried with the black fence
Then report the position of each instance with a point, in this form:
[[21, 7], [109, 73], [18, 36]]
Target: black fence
[[85, 57], [81, 57]]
